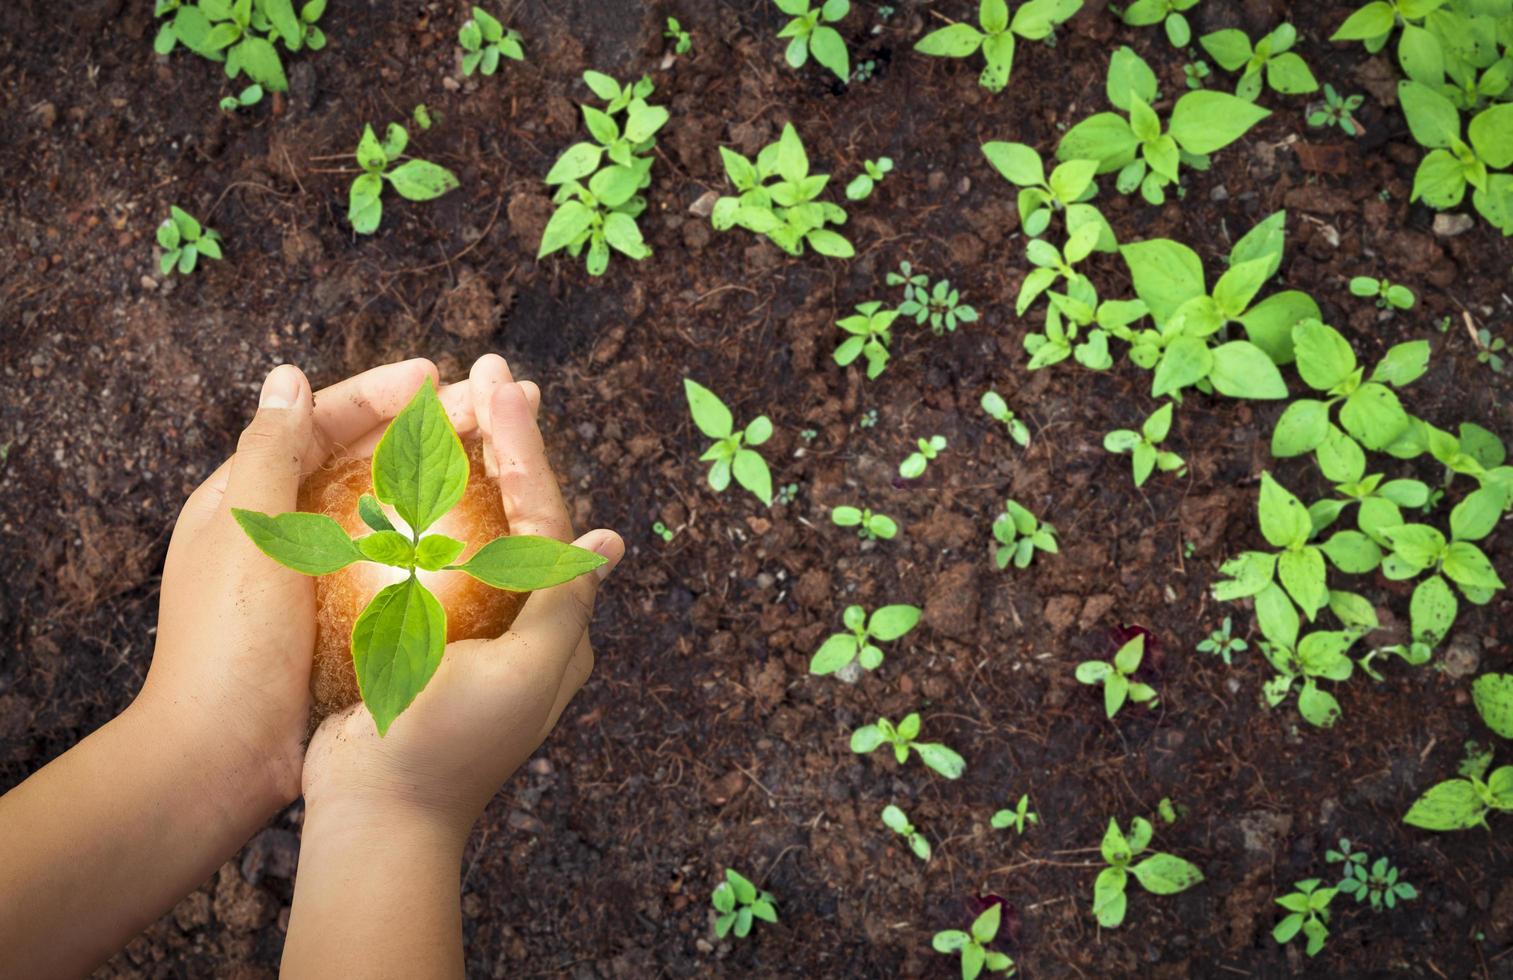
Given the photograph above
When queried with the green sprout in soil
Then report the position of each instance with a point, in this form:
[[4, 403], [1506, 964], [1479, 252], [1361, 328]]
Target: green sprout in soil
[[1489, 350], [242, 34], [868, 419], [1337, 110], [730, 454], [1272, 58], [811, 34], [914, 465], [602, 213], [1050, 265], [1223, 643], [1020, 534], [1459, 804], [1159, 873], [1067, 190], [484, 41], [1379, 881], [664, 532], [913, 282], [1388, 295], [1170, 812], [420, 470], [249, 96], [183, 241], [870, 526], [871, 330], [1196, 74], [415, 180], [787, 493], [940, 304], [873, 172], [1034, 20], [1167, 13], [972, 946], [1019, 817], [864, 71], [1452, 164], [682, 41], [422, 116], [1144, 446], [1116, 677], [739, 903], [1308, 913], [869, 738], [884, 625], [896, 820], [787, 211], [998, 410]]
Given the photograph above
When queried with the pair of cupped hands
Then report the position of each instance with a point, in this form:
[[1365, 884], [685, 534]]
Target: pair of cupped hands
[[236, 631]]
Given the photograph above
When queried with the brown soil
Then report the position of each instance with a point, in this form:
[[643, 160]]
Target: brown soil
[[701, 741]]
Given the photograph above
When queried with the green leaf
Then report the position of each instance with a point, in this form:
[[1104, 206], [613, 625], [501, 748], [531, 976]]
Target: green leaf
[[1432, 118], [1451, 805], [953, 41], [892, 622], [1404, 364], [985, 926], [421, 180], [1302, 428], [1475, 517], [622, 234], [1290, 75], [1269, 323], [751, 472], [791, 160], [829, 49], [1303, 575], [397, 644], [1352, 552], [1205, 122], [1440, 180], [387, 548], [1129, 78], [1284, 519], [835, 653], [1239, 285], [420, 468], [524, 563], [1324, 357], [1491, 135], [575, 163], [281, 13], [998, 51], [437, 551], [1318, 706], [260, 61], [1468, 566], [311, 544], [1166, 275], [1374, 415], [1109, 901], [1230, 48], [1018, 163], [1105, 137], [941, 759], [566, 226], [1242, 370], [1276, 617], [1186, 362], [709, 413], [1373, 20], [1493, 694], [1166, 874], [1249, 573]]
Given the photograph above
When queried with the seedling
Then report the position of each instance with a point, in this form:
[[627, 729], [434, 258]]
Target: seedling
[[415, 180], [730, 453], [420, 470], [1453, 164], [787, 493], [1116, 677], [422, 116], [1222, 642], [1338, 110], [913, 282], [1458, 804], [864, 71], [184, 241], [682, 41], [868, 419], [242, 34], [870, 737], [867, 524], [884, 625], [1379, 882], [787, 211], [915, 463], [1388, 295], [1067, 189], [941, 305], [1019, 535], [249, 96], [1196, 74], [1018, 818], [1308, 913], [663, 531], [972, 946], [484, 41], [1144, 446], [740, 903], [871, 330], [1050, 265], [873, 172], [998, 410], [895, 820], [1167, 13], [1271, 58], [811, 34], [1035, 20], [1169, 812], [1489, 350], [1159, 874], [1071, 313]]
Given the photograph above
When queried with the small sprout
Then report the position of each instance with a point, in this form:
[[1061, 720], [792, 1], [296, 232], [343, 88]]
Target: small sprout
[[730, 454], [1271, 59], [811, 34], [738, 902], [1388, 295], [864, 71], [873, 173], [1167, 13], [1115, 677], [868, 419], [896, 821], [251, 95], [1144, 445], [422, 116], [1019, 535], [415, 180], [941, 305], [184, 241], [871, 330], [1018, 817], [972, 946], [1159, 874], [868, 525], [682, 41], [663, 531], [870, 737], [906, 277], [1380, 881], [1222, 643], [778, 197], [1196, 73], [885, 625], [1168, 811], [998, 410], [1308, 909], [1489, 350], [1035, 20], [915, 463], [809, 435], [484, 41], [1338, 111], [786, 494], [1189, 548]]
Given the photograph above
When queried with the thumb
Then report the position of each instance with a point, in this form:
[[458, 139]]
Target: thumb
[[266, 469], [558, 617]]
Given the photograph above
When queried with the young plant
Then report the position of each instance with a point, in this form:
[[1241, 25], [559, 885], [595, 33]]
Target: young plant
[[1453, 164], [998, 411], [184, 241], [1067, 189], [915, 463], [811, 34], [873, 172], [1147, 155], [1074, 311], [1167, 13], [1338, 110], [972, 946], [1388, 295], [1271, 58], [1117, 677], [421, 471], [739, 904], [941, 305], [868, 738], [1033, 21], [1159, 874], [601, 214], [484, 41], [730, 453], [914, 283], [249, 96], [682, 42], [1144, 446], [415, 180], [787, 211], [1018, 817], [868, 525], [1051, 265], [1222, 642], [1489, 350], [895, 820], [1308, 913], [1458, 804], [1196, 74], [1019, 535], [1379, 882], [871, 330], [884, 625], [242, 34]]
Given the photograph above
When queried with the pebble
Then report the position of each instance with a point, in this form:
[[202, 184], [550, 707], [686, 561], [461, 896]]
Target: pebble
[[1448, 225], [1461, 658], [1219, 193], [704, 206]]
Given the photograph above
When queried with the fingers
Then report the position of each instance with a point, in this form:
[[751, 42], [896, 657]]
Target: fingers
[[489, 372], [271, 453], [351, 409], [556, 620], [199, 510], [573, 678], [532, 499]]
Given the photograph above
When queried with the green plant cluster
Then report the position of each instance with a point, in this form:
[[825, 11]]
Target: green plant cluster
[[996, 33], [1459, 804], [1158, 873], [779, 197], [484, 41], [183, 241], [740, 904], [414, 180], [242, 35]]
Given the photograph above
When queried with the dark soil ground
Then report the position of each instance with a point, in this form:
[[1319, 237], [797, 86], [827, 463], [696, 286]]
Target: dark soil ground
[[701, 742]]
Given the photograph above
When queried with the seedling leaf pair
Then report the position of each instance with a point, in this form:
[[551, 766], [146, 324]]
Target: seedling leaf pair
[[729, 454], [415, 180]]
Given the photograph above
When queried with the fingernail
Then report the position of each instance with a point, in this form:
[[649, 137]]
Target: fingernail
[[280, 388], [606, 547]]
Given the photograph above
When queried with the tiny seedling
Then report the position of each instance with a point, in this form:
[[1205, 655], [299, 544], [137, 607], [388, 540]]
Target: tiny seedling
[[873, 172], [811, 34], [1117, 677], [1196, 74], [864, 70], [421, 471], [871, 330], [183, 241], [998, 410], [663, 531], [1272, 58], [915, 463], [1144, 446], [1018, 818], [1159, 874], [682, 41], [249, 96], [972, 946], [1338, 110], [1489, 350], [913, 282], [1388, 295], [1459, 804], [885, 625], [1168, 13], [940, 304], [868, 525], [895, 820], [788, 210], [1019, 535], [1378, 881], [730, 453], [1308, 913], [1222, 642], [422, 116], [739, 903], [868, 419], [1035, 20], [1170, 812], [415, 180], [484, 41], [869, 738], [787, 493]]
